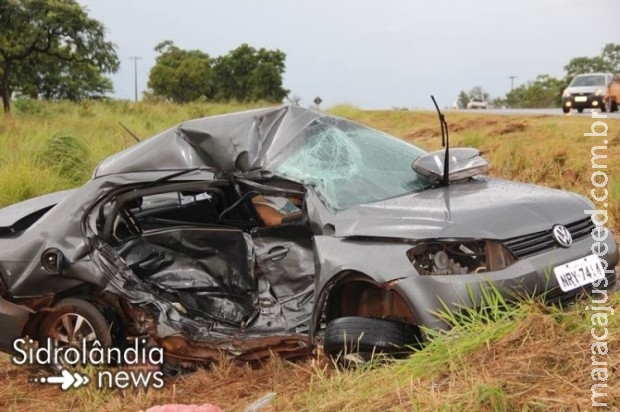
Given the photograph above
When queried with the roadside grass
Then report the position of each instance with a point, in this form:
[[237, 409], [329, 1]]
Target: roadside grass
[[536, 358], [530, 358]]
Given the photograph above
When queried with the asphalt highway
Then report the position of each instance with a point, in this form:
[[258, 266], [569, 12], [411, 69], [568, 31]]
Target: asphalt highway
[[537, 112]]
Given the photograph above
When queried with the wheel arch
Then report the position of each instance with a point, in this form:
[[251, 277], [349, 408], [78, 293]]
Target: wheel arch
[[106, 303], [353, 293]]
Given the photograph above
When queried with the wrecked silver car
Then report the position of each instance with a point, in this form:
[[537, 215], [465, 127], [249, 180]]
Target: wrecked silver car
[[166, 242]]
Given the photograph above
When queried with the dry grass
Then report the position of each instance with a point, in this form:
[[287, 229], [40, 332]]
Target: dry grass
[[538, 360], [231, 385]]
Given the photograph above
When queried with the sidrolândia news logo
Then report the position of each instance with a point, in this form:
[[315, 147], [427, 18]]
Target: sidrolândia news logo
[[134, 366]]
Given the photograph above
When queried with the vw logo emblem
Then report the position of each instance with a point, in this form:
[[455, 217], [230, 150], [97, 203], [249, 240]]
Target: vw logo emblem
[[562, 236]]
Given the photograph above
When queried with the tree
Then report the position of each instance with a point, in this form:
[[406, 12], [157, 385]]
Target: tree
[[247, 74], [479, 93], [60, 80], [463, 99], [181, 75], [545, 91], [50, 39], [579, 65], [244, 74], [611, 57], [607, 61]]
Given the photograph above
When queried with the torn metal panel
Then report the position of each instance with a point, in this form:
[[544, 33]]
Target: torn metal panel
[[285, 257]]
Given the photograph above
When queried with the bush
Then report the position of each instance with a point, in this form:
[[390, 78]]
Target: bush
[[68, 157], [28, 106]]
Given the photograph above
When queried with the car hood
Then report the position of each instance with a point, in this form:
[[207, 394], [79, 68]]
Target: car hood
[[584, 89], [480, 208]]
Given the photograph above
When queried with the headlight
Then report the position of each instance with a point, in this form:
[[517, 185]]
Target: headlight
[[459, 257], [566, 94], [598, 92]]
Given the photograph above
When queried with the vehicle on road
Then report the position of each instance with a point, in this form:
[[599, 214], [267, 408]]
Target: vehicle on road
[[165, 244], [586, 91], [477, 103], [612, 97]]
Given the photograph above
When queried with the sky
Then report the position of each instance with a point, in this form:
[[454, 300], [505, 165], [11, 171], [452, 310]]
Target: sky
[[370, 54]]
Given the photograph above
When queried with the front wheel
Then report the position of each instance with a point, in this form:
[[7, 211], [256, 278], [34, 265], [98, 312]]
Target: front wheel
[[580, 110], [360, 338], [566, 109]]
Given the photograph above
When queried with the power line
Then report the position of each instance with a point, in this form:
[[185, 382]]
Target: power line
[[135, 75]]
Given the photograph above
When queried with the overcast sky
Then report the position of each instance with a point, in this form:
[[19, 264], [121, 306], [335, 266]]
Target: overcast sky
[[371, 54]]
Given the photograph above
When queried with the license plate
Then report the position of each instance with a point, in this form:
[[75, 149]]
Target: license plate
[[580, 272], [581, 99]]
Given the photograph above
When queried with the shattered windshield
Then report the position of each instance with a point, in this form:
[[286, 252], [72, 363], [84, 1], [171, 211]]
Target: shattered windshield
[[349, 164]]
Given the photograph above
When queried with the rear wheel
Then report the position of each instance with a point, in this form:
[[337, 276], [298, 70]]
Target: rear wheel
[[73, 323], [580, 110], [354, 339]]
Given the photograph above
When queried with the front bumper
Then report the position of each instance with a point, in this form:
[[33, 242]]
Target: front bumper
[[578, 102], [528, 277]]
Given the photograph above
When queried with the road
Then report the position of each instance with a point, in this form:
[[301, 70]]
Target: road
[[537, 112]]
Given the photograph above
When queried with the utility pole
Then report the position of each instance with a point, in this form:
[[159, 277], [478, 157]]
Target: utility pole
[[135, 74], [512, 82]]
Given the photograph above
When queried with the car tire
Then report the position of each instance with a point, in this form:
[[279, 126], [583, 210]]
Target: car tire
[[358, 338], [73, 321], [566, 109], [604, 108], [580, 110], [613, 107]]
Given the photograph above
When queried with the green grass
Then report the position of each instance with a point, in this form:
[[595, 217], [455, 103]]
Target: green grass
[[527, 358]]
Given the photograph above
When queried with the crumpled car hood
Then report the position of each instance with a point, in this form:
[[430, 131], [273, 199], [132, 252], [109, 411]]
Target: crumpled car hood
[[481, 208]]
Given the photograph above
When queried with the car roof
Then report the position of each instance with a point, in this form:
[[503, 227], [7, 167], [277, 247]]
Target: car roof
[[240, 141]]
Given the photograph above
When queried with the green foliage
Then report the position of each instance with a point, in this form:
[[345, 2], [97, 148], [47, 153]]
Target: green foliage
[[243, 75], [545, 91], [45, 77], [247, 74], [68, 157], [463, 99], [611, 57], [181, 75], [28, 106], [608, 62], [579, 65], [52, 49]]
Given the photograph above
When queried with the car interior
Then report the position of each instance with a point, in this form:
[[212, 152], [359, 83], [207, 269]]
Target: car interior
[[203, 247]]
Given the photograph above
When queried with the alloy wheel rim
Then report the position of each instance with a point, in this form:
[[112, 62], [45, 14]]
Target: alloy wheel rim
[[71, 329]]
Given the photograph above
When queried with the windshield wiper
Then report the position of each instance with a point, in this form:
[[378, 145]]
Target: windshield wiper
[[445, 142]]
